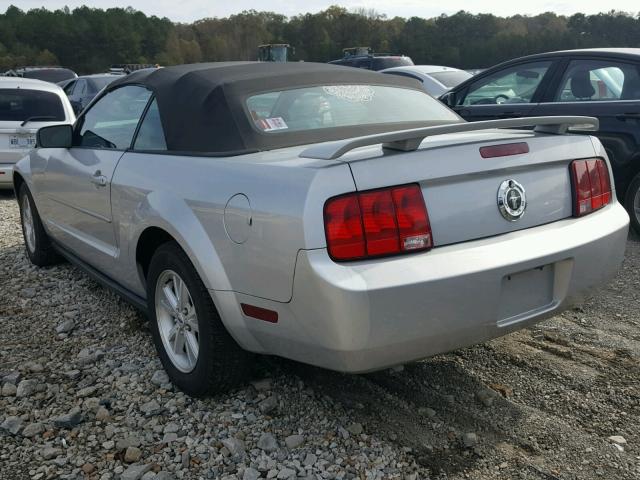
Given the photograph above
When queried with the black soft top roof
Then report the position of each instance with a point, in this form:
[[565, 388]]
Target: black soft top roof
[[202, 106]]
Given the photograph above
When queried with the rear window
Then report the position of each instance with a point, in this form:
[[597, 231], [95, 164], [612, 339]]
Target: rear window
[[18, 104], [332, 106], [380, 63], [101, 82], [53, 75], [450, 79]]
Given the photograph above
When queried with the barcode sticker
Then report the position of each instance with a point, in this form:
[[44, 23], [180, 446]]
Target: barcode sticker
[[271, 124]]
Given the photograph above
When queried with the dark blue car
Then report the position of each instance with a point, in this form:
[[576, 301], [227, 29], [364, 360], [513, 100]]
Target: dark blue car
[[602, 83]]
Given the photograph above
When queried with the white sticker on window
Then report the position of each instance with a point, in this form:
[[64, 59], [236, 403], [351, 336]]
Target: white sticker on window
[[271, 124], [351, 93]]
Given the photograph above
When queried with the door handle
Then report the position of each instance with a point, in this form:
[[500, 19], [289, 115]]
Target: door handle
[[98, 179]]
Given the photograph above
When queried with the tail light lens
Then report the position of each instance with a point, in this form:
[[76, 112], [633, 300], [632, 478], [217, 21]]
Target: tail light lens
[[591, 185], [378, 222]]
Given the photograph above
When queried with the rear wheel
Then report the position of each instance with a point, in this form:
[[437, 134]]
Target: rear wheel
[[632, 202], [37, 243], [199, 355]]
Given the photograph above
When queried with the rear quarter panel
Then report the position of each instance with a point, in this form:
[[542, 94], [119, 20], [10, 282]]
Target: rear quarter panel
[[186, 196]]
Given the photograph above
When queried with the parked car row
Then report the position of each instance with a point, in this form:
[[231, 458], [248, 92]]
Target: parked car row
[[334, 216]]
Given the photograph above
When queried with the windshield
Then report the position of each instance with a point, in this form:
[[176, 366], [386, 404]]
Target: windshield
[[450, 78], [19, 104], [332, 106]]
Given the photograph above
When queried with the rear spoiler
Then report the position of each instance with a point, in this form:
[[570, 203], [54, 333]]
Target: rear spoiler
[[409, 140]]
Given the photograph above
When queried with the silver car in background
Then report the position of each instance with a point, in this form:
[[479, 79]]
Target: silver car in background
[[435, 80], [330, 215], [25, 106]]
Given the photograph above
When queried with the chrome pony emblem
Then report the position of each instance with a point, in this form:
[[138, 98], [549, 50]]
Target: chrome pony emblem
[[512, 200]]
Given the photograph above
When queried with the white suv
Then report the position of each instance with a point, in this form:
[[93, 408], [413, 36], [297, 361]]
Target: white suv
[[25, 106]]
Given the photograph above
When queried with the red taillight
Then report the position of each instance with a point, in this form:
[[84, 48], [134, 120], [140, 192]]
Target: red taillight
[[591, 185], [377, 222]]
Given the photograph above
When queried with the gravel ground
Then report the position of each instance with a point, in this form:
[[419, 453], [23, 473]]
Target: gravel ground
[[83, 396]]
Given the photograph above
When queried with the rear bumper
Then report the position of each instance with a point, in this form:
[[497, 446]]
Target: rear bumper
[[370, 315], [6, 176]]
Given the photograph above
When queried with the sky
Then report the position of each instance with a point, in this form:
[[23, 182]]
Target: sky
[[190, 10]]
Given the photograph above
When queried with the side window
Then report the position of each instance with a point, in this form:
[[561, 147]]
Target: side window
[[68, 88], [514, 85], [112, 120], [151, 136], [598, 80]]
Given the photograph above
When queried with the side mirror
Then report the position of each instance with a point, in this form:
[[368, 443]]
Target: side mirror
[[55, 136], [449, 99]]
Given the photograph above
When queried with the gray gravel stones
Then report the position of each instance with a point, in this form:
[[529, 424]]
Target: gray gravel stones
[[9, 390], [355, 428], [33, 429], [102, 414], [160, 378], [50, 452], [66, 326], [269, 404], [132, 454], [310, 460], [267, 442], [135, 472], [69, 420], [26, 388], [13, 378], [127, 442], [235, 447], [250, 474], [469, 440], [151, 408], [12, 425], [294, 441]]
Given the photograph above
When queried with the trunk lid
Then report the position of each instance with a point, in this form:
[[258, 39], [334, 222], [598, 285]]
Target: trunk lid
[[460, 187]]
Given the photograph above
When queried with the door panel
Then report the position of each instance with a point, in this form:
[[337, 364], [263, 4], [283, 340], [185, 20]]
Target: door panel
[[78, 186], [609, 90], [78, 180]]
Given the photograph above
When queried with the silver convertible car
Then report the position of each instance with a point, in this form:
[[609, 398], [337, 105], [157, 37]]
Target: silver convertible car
[[331, 215]]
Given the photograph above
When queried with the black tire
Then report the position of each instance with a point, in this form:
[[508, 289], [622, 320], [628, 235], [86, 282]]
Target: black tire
[[40, 251], [221, 364], [630, 198]]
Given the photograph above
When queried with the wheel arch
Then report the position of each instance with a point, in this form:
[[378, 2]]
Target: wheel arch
[[18, 181], [154, 236]]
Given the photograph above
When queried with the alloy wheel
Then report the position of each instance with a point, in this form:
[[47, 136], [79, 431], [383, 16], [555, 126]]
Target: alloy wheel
[[177, 321]]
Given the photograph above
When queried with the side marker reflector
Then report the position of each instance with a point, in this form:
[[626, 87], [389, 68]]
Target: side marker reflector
[[270, 316]]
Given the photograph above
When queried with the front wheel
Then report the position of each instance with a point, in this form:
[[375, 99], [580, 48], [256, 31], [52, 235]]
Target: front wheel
[[199, 355], [632, 203], [37, 243]]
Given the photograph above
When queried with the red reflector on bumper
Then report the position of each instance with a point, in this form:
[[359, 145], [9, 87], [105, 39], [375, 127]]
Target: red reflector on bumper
[[259, 313], [505, 150]]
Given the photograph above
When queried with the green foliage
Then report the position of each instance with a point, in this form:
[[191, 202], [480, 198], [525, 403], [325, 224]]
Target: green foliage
[[89, 39]]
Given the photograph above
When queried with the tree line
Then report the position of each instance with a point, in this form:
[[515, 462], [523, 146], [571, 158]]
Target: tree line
[[88, 40]]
